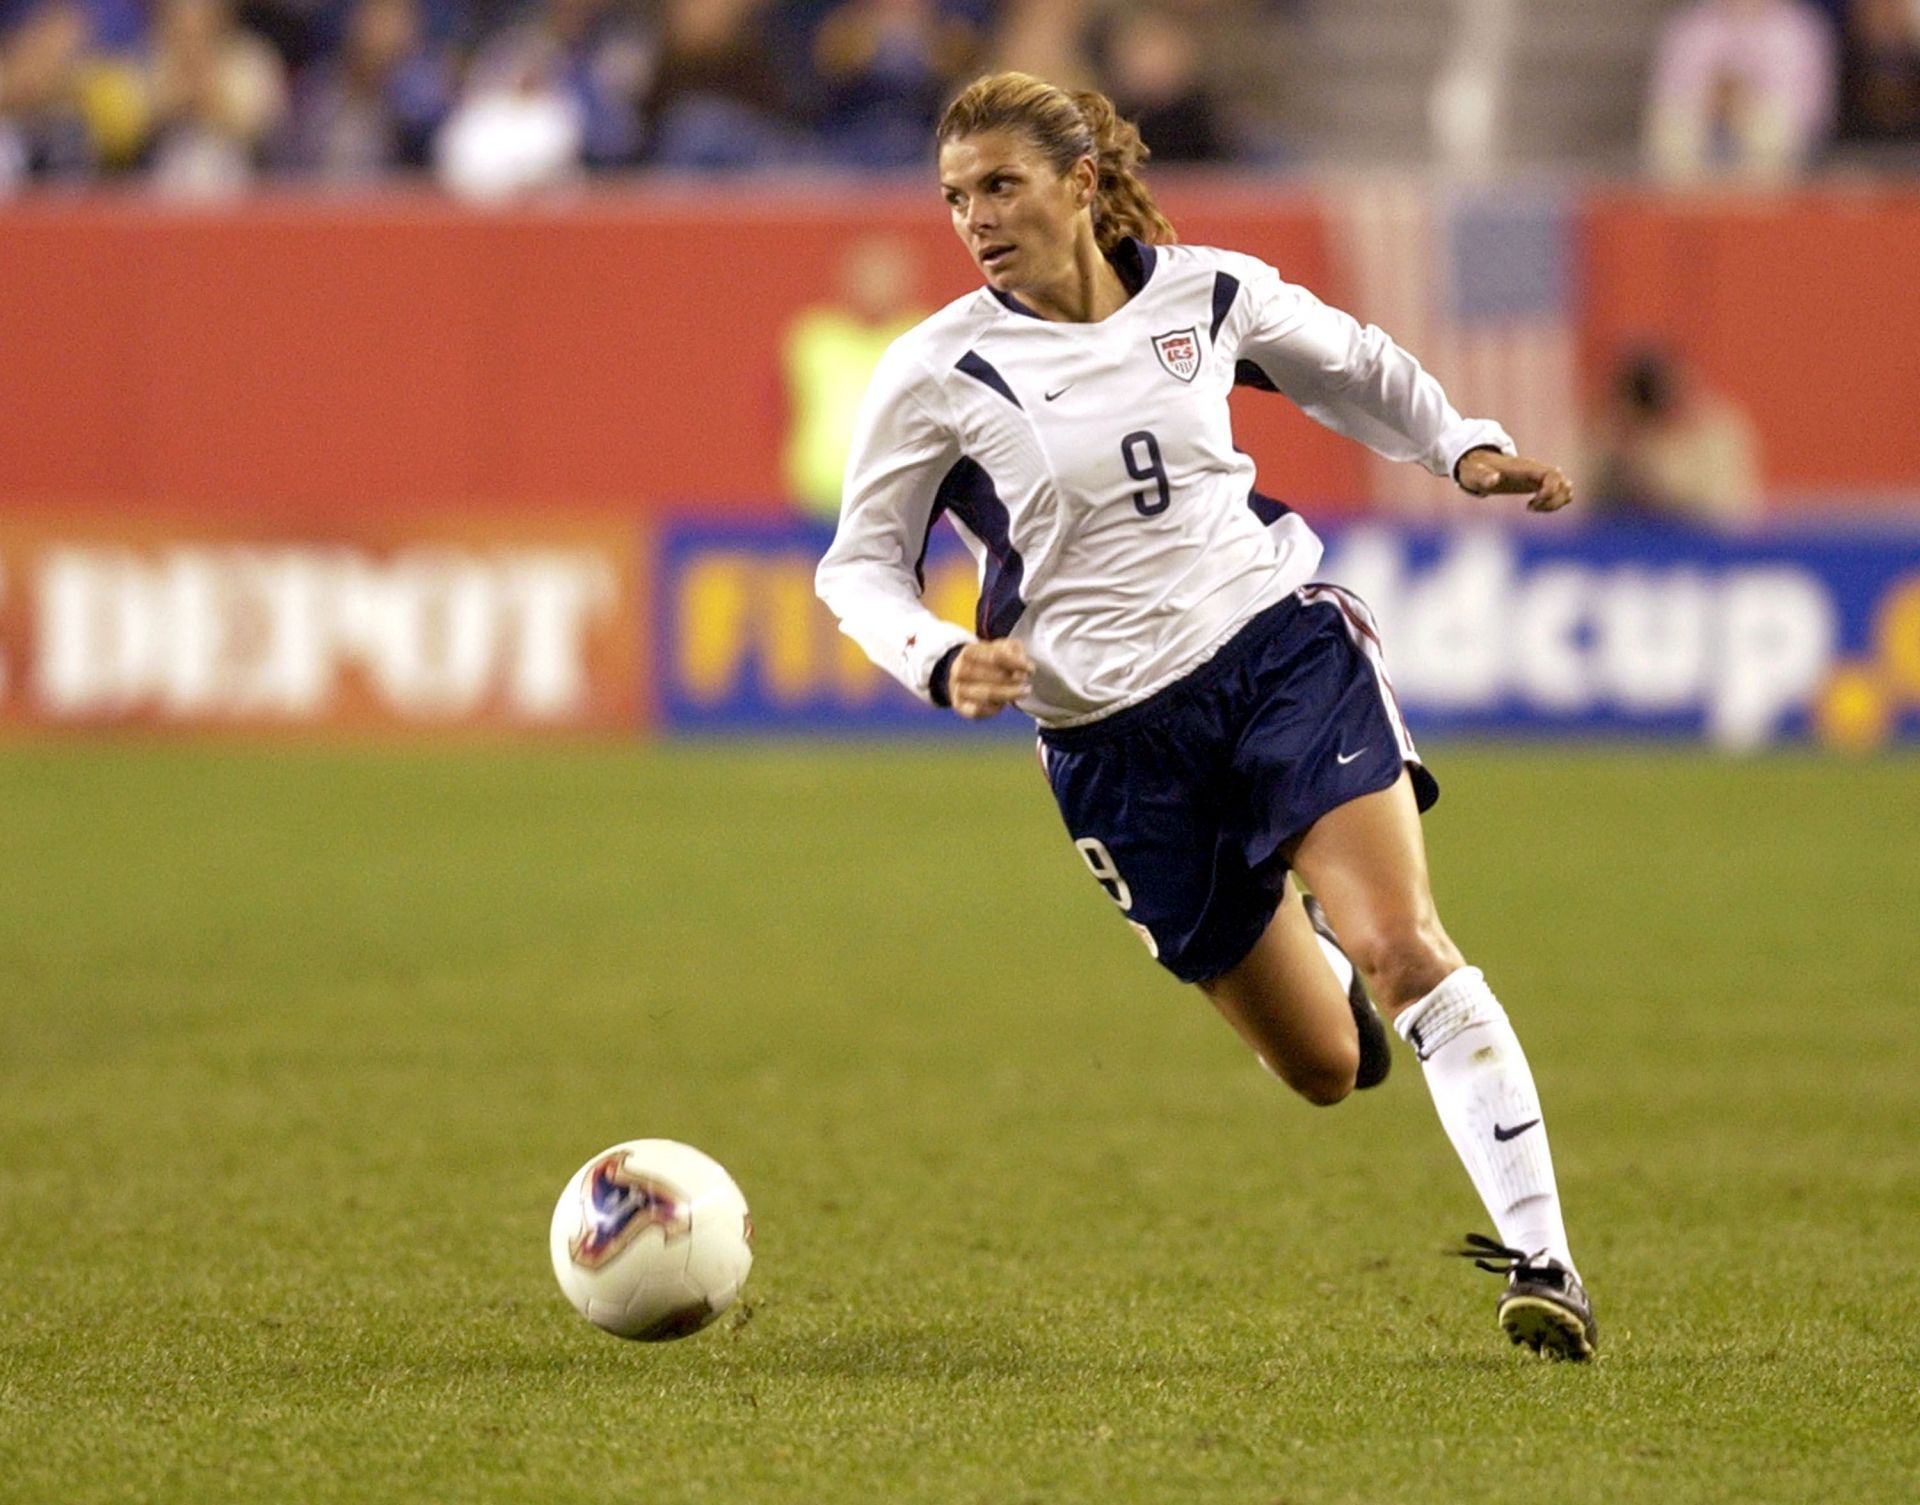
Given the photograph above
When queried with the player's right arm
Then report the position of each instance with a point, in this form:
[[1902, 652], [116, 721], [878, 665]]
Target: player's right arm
[[984, 678], [870, 577]]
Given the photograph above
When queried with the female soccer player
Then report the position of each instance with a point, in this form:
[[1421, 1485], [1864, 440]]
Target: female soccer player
[[1209, 720]]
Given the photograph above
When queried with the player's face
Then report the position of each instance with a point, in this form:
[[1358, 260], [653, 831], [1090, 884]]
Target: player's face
[[1014, 214]]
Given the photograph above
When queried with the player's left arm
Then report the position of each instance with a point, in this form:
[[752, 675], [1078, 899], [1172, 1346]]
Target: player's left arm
[[1353, 378]]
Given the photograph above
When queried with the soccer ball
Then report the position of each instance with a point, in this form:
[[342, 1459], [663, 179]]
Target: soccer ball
[[651, 1239]]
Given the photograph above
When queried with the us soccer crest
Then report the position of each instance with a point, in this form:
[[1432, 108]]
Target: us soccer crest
[[1179, 351]]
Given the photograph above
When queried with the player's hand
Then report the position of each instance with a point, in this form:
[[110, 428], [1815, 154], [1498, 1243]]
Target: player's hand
[[1485, 472], [988, 677]]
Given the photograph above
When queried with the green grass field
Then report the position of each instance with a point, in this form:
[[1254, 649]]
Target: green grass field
[[298, 1048]]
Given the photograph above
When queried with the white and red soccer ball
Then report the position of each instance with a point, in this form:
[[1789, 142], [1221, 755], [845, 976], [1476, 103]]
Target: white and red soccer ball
[[651, 1239]]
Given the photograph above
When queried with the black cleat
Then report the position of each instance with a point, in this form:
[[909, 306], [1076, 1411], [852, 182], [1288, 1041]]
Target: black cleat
[[1376, 1056], [1544, 1306]]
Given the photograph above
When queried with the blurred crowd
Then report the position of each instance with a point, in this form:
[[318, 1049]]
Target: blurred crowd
[[1762, 89], [497, 95]]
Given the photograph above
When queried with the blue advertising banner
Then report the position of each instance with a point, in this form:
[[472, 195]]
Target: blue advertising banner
[[1742, 640], [1738, 639], [743, 644]]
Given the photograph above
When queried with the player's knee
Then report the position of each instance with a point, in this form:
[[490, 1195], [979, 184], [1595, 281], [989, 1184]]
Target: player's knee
[[1325, 1079], [1403, 961], [1326, 1088]]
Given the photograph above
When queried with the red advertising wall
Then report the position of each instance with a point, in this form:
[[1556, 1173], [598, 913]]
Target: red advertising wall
[[312, 358], [1803, 307], [299, 357]]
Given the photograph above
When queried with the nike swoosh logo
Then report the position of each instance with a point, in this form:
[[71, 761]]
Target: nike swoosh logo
[[1344, 761], [1503, 1135], [1052, 395]]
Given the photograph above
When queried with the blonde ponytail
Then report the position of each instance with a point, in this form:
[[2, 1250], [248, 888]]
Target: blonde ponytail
[[1122, 205]]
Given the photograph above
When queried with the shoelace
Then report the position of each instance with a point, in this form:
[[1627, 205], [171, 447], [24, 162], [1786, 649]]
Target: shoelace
[[1493, 1256]]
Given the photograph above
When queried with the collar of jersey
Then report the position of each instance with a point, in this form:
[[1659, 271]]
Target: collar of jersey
[[1133, 259]]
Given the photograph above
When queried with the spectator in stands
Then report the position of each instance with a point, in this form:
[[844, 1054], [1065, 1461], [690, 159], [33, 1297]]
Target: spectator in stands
[[215, 92], [718, 102], [610, 60], [518, 127], [1154, 75], [302, 32], [882, 71], [1880, 72], [42, 129], [375, 107], [113, 26], [1048, 38], [1666, 447], [1741, 88]]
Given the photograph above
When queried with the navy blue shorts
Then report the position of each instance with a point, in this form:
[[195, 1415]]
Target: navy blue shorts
[[1181, 804]]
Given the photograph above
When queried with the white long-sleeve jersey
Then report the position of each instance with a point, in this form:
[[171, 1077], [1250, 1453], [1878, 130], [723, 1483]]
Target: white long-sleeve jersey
[[1091, 470]]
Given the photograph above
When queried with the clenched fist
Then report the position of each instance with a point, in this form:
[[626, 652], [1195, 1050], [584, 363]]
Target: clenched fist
[[1486, 471], [988, 677]]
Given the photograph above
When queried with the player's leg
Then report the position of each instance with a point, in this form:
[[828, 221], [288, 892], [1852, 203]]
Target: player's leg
[[1286, 1002], [1366, 862], [1151, 807]]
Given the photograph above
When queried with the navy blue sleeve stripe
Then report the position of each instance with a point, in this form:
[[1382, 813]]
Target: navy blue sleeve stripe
[[1268, 509], [982, 371], [1246, 374], [926, 540], [968, 493], [1226, 287]]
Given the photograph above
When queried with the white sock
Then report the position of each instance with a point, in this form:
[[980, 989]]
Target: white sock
[[1484, 1092]]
